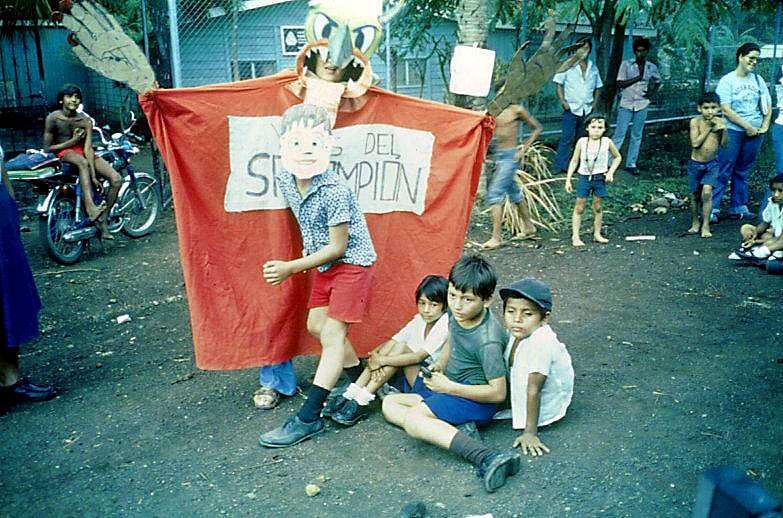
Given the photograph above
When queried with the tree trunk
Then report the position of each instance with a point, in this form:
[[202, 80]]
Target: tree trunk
[[472, 29], [609, 91]]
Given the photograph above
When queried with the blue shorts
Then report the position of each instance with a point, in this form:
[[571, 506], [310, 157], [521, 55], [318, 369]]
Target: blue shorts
[[454, 409], [703, 173], [504, 178], [595, 184]]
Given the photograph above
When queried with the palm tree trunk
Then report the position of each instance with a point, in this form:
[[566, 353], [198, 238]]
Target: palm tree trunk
[[472, 30]]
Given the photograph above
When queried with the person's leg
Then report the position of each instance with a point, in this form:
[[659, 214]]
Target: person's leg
[[621, 127], [706, 209], [9, 366], [274, 380], [103, 169], [528, 229], [576, 221], [746, 159], [727, 158], [777, 146], [565, 147], [502, 183], [78, 161], [598, 218], [695, 199], [396, 407], [635, 143], [15, 389], [497, 228]]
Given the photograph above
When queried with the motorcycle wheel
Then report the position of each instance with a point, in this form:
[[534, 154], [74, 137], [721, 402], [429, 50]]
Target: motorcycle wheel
[[139, 219], [54, 224]]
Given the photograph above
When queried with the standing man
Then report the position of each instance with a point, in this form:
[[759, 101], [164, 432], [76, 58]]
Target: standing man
[[578, 89], [639, 80]]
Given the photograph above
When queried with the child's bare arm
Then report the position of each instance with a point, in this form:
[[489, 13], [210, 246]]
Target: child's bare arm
[[535, 127], [493, 392], [698, 134], [276, 271], [572, 165], [529, 441], [403, 359], [615, 163]]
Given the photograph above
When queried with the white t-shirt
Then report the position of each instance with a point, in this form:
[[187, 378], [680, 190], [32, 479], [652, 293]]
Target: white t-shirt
[[773, 215], [412, 335], [596, 159], [578, 88], [541, 352]]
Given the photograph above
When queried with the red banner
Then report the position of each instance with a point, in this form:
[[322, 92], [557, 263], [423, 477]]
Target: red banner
[[238, 320]]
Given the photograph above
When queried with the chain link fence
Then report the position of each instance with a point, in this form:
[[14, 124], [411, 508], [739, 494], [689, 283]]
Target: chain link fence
[[212, 41]]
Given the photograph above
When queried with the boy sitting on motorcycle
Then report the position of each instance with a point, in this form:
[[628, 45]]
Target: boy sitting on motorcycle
[[68, 134]]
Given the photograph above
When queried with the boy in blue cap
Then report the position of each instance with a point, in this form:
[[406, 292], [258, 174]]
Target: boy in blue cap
[[540, 373]]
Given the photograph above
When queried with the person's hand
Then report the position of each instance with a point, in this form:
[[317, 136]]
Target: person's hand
[[520, 155], [276, 272], [718, 124], [530, 443], [435, 367], [373, 363], [78, 134], [568, 186], [609, 177], [438, 382], [751, 131], [566, 106], [762, 130]]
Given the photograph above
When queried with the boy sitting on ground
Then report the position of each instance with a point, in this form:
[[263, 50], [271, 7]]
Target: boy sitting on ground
[[541, 376], [420, 340], [765, 241], [708, 134], [468, 380]]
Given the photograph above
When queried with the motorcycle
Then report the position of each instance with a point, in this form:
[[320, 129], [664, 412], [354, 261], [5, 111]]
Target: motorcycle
[[64, 227]]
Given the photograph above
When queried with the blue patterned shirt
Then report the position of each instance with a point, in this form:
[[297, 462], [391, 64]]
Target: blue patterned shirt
[[328, 203]]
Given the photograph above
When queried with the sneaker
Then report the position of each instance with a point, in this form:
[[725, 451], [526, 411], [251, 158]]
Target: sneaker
[[470, 429], [714, 217], [333, 405], [350, 413], [386, 390], [497, 467], [292, 431]]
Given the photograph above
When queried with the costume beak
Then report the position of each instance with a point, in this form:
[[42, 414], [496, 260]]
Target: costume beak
[[340, 46]]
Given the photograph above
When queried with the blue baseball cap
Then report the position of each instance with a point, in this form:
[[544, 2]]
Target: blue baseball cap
[[531, 289]]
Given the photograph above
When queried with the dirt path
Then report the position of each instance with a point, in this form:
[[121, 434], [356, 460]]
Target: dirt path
[[678, 357]]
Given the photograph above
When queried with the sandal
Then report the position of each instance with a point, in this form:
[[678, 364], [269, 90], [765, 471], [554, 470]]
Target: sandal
[[266, 398]]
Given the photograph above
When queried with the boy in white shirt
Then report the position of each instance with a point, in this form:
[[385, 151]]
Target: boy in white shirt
[[765, 241], [541, 376], [421, 339]]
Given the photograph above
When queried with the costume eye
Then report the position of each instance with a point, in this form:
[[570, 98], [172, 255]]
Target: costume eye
[[322, 26], [364, 36]]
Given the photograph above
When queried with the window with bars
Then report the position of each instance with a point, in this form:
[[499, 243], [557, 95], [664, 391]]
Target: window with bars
[[254, 69], [411, 71]]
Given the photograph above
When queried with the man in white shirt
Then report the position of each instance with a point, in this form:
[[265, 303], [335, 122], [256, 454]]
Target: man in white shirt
[[577, 89], [639, 80]]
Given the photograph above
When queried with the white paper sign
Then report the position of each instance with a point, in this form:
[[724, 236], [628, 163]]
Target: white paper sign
[[471, 71], [387, 167]]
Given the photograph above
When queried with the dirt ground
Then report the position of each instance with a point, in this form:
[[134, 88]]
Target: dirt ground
[[679, 367]]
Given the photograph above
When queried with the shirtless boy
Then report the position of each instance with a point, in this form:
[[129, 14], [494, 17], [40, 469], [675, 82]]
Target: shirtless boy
[[68, 134], [504, 179], [708, 134]]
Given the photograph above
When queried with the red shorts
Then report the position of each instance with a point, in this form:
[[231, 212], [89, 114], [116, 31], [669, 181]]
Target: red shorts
[[345, 289], [76, 149]]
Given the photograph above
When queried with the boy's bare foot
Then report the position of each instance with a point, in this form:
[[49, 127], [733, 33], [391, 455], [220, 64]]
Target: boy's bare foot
[[575, 241], [705, 232], [694, 228], [491, 244], [96, 213], [527, 234], [600, 239], [103, 229]]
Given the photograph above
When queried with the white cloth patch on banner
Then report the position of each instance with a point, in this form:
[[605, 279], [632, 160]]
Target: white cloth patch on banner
[[387, 167]]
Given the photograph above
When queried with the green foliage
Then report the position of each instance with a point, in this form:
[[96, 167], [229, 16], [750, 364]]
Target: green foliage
[[15, 11]]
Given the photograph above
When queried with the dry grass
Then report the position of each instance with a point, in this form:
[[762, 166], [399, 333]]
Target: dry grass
[[537, 183]]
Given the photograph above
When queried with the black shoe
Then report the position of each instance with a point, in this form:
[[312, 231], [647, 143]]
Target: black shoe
[[333, 405], [470, 429], [292, 431], [632, 170], [24, 391], [350, 413], [497, 467]]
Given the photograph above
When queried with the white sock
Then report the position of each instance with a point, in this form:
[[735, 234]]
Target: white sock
[[351, 391], [778, 254], [761, 252], [363, 396]]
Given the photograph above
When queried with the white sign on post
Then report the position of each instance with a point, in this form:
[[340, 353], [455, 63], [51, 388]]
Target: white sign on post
[[471, 71]]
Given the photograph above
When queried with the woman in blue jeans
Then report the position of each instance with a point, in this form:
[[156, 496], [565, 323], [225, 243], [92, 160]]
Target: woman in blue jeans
[[747, 105]]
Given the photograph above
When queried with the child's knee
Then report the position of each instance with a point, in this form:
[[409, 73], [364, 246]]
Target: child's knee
[[579, 208], [706, 193], [746, 231], [597, 208]]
